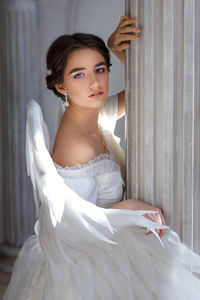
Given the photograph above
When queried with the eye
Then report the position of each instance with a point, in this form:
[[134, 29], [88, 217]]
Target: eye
[[79, 75], [100, 70]]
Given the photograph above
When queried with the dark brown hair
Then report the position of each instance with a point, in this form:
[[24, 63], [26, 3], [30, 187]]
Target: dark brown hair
[[62, 47]]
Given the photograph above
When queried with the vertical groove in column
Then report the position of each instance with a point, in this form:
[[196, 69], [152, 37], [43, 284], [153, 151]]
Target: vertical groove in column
[[188, 120], [6, 113], [1, 173], [15, 132], [131, 107], [178, 104], [196, 242], [20, 125], [22, 27], [140, 66], [147, 101], [168, 109], [136, 106], [158, 103]]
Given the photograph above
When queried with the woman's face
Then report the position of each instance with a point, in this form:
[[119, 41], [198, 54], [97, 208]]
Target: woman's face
[[86, 78]]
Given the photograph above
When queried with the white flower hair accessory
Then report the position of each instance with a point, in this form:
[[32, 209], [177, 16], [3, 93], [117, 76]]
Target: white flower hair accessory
[[48, 72]]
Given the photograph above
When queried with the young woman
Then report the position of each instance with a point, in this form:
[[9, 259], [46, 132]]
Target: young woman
[[80, 65], [90, 242]]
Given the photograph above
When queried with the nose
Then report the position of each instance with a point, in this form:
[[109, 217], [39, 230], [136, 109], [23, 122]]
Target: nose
[[93, 82]]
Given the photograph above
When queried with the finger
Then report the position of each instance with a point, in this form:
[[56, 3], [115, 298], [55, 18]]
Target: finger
[[153, 217], [129, 29], [123, 18], [157, 219], [121, 41], [129, 37], [149, 217], [160, 220], [149, 232], [122, 46], [162, 231], [124, 21]]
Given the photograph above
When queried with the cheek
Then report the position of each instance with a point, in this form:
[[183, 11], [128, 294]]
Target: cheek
[[75, 86], [104, 79]]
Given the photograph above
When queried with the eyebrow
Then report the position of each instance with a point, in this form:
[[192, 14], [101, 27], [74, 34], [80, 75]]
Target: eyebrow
[[80, 69]]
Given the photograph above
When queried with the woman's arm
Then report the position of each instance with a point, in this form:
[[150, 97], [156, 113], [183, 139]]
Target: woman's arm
[[118, 42]]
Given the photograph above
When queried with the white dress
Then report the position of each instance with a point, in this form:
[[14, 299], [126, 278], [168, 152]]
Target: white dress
[[82, 250]]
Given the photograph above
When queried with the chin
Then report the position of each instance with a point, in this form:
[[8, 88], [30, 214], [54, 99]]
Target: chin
[[99, 102]]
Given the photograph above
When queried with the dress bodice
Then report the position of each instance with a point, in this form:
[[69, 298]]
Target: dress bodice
[[102, 180], [99, 181]]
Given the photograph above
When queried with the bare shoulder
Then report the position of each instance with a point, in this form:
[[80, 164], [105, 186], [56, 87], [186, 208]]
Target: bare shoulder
[[71, 148]]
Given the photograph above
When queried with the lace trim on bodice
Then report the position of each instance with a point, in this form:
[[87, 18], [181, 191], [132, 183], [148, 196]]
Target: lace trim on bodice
[[101, 163], [96, 159]]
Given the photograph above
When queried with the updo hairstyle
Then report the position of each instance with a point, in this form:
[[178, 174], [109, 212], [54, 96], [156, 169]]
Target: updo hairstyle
[[62, 47]]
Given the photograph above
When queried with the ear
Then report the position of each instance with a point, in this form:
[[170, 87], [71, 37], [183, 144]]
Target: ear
[[59, 87]]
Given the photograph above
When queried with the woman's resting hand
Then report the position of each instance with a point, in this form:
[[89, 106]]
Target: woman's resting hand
[[134, 204], [123, 34]]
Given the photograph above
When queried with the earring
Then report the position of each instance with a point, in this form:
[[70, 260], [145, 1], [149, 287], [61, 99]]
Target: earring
[[66, 103]]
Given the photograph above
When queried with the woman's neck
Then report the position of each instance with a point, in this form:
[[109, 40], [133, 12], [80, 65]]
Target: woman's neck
[[84, 118]]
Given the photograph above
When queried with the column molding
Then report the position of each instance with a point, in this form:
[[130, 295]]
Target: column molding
[[19, 84], [163, 112]]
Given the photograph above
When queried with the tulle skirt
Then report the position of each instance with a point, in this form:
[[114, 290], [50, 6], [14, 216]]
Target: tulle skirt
[[138, 267]]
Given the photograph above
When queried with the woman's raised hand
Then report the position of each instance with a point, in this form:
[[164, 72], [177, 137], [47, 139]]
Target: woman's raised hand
[[125, 32]]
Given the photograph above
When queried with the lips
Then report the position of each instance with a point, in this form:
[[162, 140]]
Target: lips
[[96, 94]]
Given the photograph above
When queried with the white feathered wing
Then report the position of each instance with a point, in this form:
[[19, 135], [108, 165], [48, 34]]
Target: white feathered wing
[[84, 252]]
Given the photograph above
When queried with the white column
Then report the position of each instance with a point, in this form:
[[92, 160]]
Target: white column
[[163, 112], [19, 83]]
